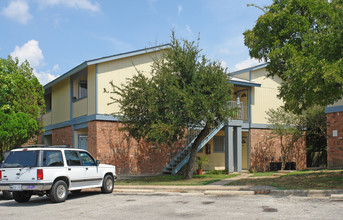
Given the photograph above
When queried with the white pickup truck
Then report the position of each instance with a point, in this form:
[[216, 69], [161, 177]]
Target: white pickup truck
[[53, 171]]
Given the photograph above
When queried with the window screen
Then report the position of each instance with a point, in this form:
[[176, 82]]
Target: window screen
[[82, 89], [218, 142]]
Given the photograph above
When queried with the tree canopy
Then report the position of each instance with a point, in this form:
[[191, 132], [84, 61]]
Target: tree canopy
[[21, 103], [302, 41], [185, 88]]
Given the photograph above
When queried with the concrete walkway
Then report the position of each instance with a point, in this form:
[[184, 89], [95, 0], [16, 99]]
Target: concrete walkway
[[219, 188], [229, 180]]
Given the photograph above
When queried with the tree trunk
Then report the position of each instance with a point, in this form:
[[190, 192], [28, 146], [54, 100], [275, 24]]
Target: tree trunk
[[190, 165]]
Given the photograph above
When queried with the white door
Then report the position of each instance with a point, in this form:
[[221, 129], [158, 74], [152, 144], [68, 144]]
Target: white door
[[75, 169], [92, 175], [83, 142]]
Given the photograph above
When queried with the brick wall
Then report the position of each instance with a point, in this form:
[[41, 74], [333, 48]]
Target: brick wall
[[335, 144], [109, 145], [265, 149], [62, 136]]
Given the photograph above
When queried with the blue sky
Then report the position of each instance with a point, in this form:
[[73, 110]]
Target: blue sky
[[57, 35]]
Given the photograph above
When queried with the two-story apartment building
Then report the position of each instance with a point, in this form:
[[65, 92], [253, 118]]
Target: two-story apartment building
[[78, 115]]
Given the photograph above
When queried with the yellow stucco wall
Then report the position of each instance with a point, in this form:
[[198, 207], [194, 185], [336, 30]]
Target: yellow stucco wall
[[264, 97], [243, 76], [47, 117], [80, 107], [83, 131], [91, 89], [118, 71], [60, 106], [216, 161]]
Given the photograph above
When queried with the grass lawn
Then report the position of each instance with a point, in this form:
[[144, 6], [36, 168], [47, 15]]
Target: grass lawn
[[176, 180], [299, 180]]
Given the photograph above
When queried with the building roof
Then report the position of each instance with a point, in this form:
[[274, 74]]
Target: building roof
[[257, 67], [243, 82], [234, 80], [104, 59]]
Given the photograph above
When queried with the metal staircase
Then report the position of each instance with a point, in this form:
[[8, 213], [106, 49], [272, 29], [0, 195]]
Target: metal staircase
[[182, 158]]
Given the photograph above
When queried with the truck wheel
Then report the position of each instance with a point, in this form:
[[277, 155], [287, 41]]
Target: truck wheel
[[107, 184], [22, 196], [59, 191], [7, 194]]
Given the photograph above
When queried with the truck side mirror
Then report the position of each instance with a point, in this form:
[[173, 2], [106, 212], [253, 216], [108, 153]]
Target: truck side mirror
[[97, 162]]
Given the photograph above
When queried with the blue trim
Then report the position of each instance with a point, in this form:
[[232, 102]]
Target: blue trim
[[250, 76], [244, 83], [260, 66], [105, 59], [128, 54], [250, 101], [80, 126], [47, 133], [96, 88], [71, 100], [81, 120], [334, 109], [66, 75]]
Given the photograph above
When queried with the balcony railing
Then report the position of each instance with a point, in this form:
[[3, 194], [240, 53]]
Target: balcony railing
[[242, 111]]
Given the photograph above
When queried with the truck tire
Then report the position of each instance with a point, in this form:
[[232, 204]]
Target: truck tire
[[7, 194], [107, 184], [59, 191], [23, 196]]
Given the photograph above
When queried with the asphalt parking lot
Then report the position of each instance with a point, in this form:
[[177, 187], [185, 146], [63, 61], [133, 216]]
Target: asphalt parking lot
[[94, 205]]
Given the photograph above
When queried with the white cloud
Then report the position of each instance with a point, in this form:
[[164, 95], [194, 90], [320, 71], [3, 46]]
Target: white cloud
[[44, 77], [31, 52], [223, 64], [17, 10], [179, 9], [77, 4], [246, 64]]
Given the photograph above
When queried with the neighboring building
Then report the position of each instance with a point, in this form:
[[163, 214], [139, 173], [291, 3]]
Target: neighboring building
[[78, 115], [334, 120]]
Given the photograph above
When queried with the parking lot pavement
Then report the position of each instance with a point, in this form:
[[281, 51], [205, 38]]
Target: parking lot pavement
[[94, 205]]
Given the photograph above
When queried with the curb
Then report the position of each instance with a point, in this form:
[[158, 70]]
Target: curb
[[229, 191]]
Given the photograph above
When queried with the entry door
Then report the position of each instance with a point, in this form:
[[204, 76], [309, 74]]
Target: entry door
[[83, 142], [244, 153]]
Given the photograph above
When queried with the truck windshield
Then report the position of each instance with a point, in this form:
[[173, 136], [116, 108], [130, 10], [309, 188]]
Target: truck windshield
[[21, 159]]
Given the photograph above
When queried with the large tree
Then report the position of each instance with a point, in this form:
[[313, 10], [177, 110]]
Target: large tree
[[185, 89], [21, 104], [302, 41]]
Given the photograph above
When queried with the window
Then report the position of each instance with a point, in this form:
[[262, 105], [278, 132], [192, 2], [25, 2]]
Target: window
[[82, 89], [52, 159], [47, 99], [87, 160], [21, 159], [72, 158], [218, 142]]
